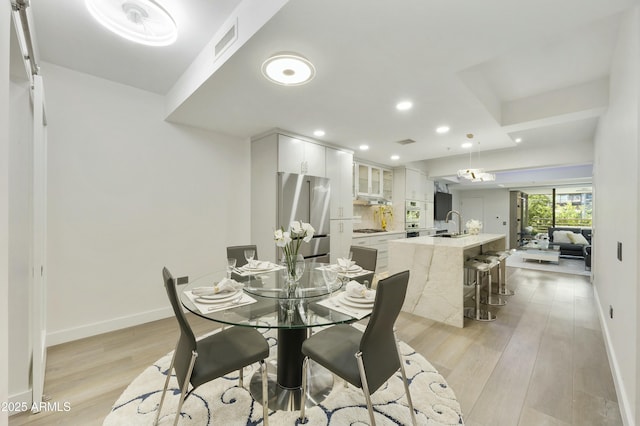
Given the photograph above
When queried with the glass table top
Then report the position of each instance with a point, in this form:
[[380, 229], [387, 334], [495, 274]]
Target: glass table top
[[273, 308]]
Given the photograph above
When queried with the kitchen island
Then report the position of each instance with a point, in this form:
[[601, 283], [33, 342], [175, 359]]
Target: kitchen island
[[436, 283]]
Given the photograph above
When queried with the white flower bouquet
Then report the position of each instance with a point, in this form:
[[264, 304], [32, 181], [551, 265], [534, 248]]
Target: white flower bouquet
[[474, 226], [290, 241]]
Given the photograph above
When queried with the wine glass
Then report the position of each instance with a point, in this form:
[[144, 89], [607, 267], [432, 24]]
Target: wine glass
[[231, 264], [330, 276], [249, 254]]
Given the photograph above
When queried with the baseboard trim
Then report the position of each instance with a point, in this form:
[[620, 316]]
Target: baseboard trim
[[20, 402], [623, 397], [88, 330]]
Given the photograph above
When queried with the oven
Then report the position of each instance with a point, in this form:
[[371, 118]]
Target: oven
[[413, 210]]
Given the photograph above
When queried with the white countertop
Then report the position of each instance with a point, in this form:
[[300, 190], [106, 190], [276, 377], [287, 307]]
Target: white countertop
[[465, 242]]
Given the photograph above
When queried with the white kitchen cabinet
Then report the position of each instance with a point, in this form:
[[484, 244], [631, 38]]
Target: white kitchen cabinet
[[429, 214], [339, 166], [429, 191], [415, 185], [380, 242], [299, 156], [341, 235], [373, 181]]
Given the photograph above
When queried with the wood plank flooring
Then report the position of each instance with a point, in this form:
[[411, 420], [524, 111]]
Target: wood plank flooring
[[542, 362]]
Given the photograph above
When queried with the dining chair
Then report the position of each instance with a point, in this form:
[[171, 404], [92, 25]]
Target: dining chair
[[366, 257], [197, 362], [237, 253], [365, 359]]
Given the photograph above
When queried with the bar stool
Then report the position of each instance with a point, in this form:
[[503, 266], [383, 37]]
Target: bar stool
[[481, 270], [494, 263], [502, 289]]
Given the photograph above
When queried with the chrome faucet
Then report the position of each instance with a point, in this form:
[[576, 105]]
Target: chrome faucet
[[446, 219]]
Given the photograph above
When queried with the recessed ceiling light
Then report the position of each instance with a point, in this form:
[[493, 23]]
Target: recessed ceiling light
[[288, 69], [467, 145], [518, 140], [319, 133], [395, 157], [364, 147], [140, 21], [404, 105], [442, 129]]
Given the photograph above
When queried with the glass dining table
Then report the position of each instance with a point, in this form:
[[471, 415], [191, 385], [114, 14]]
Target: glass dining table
[[271, 306]]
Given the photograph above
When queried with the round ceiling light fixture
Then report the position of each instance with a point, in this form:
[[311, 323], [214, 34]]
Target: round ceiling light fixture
[[288, 69], [140, 21]]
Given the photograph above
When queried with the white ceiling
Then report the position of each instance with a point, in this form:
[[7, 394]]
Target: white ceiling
[[491, 68]]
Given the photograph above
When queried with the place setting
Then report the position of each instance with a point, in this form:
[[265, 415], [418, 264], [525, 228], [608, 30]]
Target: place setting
[[225, 294], [357, 300], [254, 266], [347, 268]]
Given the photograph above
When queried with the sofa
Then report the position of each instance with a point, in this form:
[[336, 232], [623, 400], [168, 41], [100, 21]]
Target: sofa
[[570, 244]]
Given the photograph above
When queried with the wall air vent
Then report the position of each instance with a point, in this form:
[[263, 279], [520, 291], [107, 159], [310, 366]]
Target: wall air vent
[[227, 39], [406, 141]]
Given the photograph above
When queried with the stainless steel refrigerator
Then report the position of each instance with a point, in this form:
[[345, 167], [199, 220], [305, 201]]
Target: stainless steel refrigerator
[[306, 198]]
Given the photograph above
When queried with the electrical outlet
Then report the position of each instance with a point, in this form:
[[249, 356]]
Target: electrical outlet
[[610, 311]]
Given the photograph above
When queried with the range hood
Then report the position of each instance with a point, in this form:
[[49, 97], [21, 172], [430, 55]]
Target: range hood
[[371, 200]]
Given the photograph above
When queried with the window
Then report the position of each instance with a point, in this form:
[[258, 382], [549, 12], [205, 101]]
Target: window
[[572, 207]]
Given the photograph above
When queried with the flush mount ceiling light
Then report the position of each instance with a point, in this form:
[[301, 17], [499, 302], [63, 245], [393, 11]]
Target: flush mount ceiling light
[[442, 129], [319, 133], [288, 69], [472, 174], [404, 105], [364, 147], [140, 21]]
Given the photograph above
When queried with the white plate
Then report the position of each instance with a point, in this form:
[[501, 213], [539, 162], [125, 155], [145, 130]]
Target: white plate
[[219, 297], [347, 302], [359, 300]]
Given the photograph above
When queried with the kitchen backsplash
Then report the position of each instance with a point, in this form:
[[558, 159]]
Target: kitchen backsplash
[[370, 219]]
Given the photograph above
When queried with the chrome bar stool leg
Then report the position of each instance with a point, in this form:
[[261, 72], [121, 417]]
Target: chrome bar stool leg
[[502, 289], [475, 313], [494, 263]]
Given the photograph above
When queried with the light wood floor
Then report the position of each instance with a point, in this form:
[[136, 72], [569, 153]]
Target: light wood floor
[[543, 362]]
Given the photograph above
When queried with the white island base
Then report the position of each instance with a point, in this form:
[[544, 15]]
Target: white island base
[[436, 282]]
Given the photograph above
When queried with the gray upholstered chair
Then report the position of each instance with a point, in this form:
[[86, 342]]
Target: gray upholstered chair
[[364, 359], [367, 258], [200, 361], [237, 253]]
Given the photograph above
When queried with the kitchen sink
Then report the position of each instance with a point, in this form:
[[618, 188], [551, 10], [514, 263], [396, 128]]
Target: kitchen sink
[[450, 235]]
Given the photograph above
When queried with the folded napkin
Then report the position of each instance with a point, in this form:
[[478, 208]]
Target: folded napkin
[[226, 285], [355, 289], [345, 263], [258, 264]]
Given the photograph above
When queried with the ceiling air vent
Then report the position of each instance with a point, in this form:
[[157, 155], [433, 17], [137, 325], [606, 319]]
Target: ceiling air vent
[[227, 39], [406, 141]]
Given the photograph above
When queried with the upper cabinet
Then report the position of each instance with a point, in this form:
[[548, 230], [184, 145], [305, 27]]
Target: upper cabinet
[[300, 156], [412, 185], [373, 181], [339, 171]]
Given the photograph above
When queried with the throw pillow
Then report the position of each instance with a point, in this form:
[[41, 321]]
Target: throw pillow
[[561, 237], [577, 239]]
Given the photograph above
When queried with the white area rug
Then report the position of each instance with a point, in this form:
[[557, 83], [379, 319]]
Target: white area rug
[[222, 402], [566, 266]]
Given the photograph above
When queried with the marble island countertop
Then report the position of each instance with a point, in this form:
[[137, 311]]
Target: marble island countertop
[[464, 242], [436, 283], [356, 234]]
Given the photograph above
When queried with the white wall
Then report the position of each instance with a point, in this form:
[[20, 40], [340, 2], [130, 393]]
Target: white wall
[[495, 203], [4, 205], [128, 194], [20, 239], [616, 201]]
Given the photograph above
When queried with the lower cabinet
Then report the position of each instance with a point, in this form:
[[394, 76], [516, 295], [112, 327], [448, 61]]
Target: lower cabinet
[[379, 242]]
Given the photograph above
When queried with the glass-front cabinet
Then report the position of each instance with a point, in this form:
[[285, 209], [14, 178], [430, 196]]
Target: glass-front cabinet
[[373, 181]]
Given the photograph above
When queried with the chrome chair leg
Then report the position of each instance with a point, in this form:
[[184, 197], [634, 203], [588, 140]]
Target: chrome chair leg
[[166, 385], [265, 393], [365, 387], [406, 387], [303, 397], [185, 386], [241, 377]]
